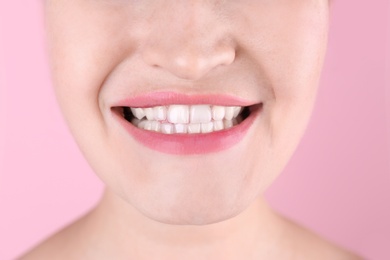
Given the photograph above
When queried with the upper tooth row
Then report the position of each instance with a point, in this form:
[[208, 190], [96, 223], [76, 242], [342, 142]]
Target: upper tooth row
[[185, 114]]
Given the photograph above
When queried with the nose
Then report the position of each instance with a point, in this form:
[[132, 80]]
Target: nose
[[188, 41]]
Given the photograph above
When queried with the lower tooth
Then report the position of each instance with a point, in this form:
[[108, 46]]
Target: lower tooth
[[207, 127], [148, 125], [218, 125], [141, 124], [168, 128], [180, 128], [228, 124], [135, 121], [194, 128], [155, 126]]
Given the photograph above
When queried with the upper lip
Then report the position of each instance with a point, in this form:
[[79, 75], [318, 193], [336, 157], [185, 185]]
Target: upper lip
[[162, 98]]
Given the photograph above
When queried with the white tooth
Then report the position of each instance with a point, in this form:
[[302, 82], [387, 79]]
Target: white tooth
[[237, 111], [155, 126], [149, 113], [135, 121], [235, 121], [148, 125], [207, 127], [228, 124], [193, 128], [178, 114], [218, 125], [218, 112], [138, 112], [160, 113], [142, 123], [200, 114], [167, 128], [229, 112], [180, 128]]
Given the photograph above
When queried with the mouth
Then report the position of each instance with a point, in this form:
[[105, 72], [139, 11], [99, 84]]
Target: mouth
[[181, 124], [186, 119]]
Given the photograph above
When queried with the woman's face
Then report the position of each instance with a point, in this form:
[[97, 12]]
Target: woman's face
[[186, 64]]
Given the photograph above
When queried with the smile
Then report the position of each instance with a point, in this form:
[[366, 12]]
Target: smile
[[186, 119], [183, 124]]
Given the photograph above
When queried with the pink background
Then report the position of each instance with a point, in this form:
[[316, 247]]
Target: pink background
[[337, 183]]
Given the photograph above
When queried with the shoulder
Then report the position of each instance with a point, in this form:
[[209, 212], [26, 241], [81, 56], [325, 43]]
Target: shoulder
[[47, 249], [61, 245], [311, 246], [54, 247], [306, 244]]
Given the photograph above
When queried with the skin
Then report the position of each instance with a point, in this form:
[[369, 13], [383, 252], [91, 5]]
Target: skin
[[210, 206]]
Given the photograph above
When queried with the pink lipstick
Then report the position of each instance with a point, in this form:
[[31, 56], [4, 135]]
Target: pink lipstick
[[183, 124]]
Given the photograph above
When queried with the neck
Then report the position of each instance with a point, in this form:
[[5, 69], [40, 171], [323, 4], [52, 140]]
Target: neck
[[124, 230]]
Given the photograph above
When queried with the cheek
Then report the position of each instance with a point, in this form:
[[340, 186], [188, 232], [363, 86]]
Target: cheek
[[83, 49], [289, 52], [286, 42], [85, 43], [294, 55], [297, 78]]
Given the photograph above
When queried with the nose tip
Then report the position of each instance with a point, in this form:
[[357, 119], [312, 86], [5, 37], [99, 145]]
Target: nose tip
[[190, 63]]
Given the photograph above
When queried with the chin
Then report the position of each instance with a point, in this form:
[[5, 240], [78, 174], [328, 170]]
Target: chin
[[190, 210], [188, 217]]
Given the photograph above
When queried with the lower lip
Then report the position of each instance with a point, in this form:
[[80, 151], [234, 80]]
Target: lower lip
[[188, 144]]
